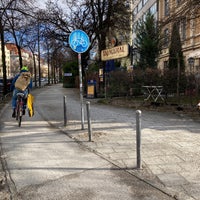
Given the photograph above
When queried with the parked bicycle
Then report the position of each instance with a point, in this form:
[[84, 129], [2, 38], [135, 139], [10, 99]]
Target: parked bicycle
[[20, 108]]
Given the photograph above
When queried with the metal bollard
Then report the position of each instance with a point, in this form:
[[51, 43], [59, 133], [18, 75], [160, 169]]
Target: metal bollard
[[89, 121], [65, 110], [138, 138]]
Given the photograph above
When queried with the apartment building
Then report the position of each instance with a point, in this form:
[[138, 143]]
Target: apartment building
[[14, 58], [140, 10], [12, 61], [188, 20], [166, 12]]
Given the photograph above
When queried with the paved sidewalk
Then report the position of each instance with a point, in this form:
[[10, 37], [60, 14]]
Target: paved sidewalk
[[170, 143], [41, 163]]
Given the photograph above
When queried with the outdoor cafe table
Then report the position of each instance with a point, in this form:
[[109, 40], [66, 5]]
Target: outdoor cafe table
[[153, 92]]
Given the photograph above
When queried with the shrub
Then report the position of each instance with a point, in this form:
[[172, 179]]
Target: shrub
[[117, 83]]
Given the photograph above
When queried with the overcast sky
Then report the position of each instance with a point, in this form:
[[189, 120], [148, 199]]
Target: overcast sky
[[41, 4]]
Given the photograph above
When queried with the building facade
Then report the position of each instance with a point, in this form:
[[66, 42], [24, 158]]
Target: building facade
[[140, 10], [166, 12], [188, 20], [12, 61]]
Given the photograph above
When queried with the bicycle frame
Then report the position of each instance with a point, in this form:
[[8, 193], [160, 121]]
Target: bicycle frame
[[19, 108]]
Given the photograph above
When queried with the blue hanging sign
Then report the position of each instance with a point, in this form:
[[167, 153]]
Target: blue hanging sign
[[79, 41]]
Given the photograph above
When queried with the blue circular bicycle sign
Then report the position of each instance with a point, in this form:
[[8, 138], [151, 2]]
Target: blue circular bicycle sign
[[79, 41]]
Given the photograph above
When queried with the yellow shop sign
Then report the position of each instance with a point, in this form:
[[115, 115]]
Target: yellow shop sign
[[115, 52]]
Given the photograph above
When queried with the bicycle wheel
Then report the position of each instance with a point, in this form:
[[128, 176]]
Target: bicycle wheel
[[19, 110], [19, 120]]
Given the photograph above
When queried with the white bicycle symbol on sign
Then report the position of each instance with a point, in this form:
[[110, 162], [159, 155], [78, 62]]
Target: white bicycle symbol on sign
[[78, 43]]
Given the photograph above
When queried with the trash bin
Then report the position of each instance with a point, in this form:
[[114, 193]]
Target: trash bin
[[91, 89]]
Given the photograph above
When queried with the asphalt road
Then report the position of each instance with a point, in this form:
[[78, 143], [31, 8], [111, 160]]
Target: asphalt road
[[43, 162]]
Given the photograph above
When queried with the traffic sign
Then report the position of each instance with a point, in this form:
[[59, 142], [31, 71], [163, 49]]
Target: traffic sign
[[79, 41]]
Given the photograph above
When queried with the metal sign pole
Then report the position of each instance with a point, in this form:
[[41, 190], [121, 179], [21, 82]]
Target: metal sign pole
[[81, 90], [79, 42]]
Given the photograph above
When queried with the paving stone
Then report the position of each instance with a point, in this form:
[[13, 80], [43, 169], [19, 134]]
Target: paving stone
[[156, 169], [117, 156], [171, 168], [193, 178], [193, 189], [154, 160], [172, 179]]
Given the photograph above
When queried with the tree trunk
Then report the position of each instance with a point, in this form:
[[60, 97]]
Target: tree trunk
[[3, 59]]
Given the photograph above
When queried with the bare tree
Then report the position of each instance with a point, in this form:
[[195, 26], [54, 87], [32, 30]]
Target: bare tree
[[6, 6], [100, 18], [17, 19], [96, 18], [31, 43]]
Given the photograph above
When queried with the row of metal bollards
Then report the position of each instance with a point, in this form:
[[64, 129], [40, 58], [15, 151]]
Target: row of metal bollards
[[138, 128], [88, 116]]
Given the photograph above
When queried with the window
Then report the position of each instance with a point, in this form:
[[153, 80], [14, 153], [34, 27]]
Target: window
[[178, 2], [134, 27], [144, 2], [153, 9], [140, 5], [166, 37], [166, 11], [135, 11], [165, 64], [183, 29], [144, 17], [127, 4]]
